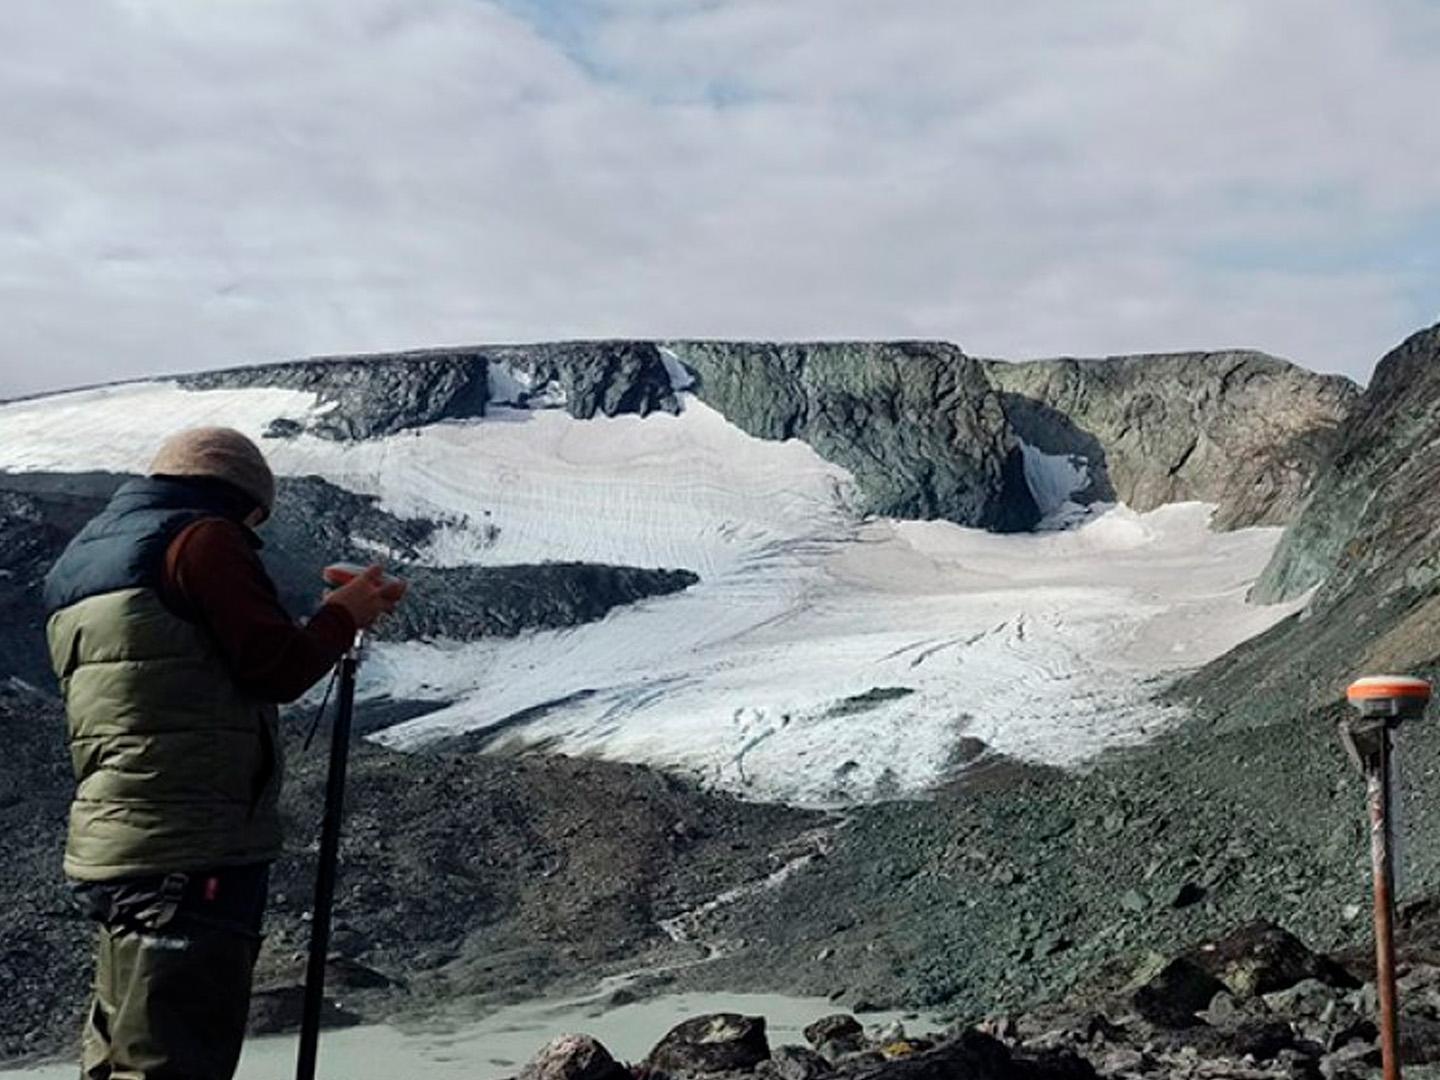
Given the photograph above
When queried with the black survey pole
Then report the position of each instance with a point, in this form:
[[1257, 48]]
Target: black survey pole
[[329, 862]]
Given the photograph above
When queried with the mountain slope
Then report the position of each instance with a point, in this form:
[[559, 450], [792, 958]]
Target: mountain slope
[[1368, 545], [925, 430], [823, 655]]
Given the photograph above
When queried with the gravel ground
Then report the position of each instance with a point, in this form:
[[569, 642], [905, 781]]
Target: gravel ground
[[492, 878], [1007, 897], [465, 878]]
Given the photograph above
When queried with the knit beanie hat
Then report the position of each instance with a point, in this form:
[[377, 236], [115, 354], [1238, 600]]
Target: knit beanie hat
[[220, 454]]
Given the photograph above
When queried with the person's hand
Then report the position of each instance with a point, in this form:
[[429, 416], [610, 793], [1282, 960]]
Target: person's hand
[[368, 596]]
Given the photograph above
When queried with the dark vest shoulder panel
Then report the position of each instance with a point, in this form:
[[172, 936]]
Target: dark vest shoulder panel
[[123, 547]]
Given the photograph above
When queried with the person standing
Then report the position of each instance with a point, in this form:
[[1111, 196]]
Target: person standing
[[173, 652]]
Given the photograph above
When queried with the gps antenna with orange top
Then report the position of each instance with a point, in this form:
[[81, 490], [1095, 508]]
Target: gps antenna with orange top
[[1381, 703]]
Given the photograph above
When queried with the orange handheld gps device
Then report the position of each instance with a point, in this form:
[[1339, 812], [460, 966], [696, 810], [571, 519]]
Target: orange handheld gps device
[[342, 573]]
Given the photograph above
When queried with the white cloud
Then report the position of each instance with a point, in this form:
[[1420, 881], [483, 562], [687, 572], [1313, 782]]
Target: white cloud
[[188, 185]]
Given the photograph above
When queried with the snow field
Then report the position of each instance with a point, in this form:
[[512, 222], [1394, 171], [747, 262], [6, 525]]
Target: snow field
[[822, 659]]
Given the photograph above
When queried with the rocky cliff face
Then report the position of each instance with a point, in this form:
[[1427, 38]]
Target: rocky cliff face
[[1239, 429], [1368, 542], [1370, 503], [372, 396], [918, 423], [928, 431]]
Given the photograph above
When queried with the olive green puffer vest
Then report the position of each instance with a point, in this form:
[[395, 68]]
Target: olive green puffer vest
[[176, 768]]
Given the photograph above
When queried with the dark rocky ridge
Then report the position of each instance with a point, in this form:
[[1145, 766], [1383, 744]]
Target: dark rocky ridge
[[917, 423], [386, 393], [468, 602], [1242, 430], [606, 378], [373, 395], [1368, 541], [928, 431], [315, 523]]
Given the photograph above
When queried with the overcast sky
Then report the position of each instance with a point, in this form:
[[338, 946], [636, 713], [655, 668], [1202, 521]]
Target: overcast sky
[[192, 184]]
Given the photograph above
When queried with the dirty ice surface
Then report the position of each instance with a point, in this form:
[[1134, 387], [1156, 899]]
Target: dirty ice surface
[[823, 657]]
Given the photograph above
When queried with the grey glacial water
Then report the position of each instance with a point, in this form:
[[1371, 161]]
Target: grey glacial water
[[500, 1044]]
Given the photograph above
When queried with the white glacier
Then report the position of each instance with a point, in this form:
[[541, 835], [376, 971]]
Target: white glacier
[[1046, 647]]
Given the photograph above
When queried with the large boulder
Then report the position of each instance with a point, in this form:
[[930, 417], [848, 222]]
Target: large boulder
[[1262, 958], [717, 1043], [1257, 959], [574, 1057], [975, 1056], [1173, 995], [837, 1035]]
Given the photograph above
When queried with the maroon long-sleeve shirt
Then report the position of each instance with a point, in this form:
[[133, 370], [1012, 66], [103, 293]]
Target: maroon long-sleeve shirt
[[213, 577]]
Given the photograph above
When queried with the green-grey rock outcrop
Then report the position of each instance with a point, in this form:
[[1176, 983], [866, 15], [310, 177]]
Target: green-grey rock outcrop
[[1243, 430], [1387, 456], [918, 423], [1368, 542]]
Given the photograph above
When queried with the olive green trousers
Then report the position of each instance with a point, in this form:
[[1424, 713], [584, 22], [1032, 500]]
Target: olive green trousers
[[171, 995]]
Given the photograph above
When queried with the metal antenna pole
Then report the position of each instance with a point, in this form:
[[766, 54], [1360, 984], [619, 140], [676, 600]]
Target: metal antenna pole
[[329, 864], [1381, 703], [1378, 795]]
